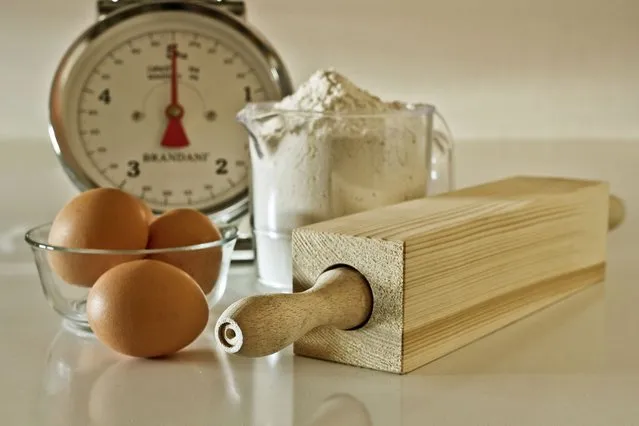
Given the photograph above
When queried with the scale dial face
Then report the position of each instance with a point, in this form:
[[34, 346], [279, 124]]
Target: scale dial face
[[147, 101]]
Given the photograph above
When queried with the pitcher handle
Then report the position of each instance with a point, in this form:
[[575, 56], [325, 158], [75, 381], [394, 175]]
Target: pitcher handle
[[443, 143]]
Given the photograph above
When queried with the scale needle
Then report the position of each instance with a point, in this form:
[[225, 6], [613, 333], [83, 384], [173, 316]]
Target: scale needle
[[174, 135]]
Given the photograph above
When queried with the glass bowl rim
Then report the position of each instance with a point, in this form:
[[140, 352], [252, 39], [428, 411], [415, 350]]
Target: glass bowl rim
[[267, 109], [229, 235]]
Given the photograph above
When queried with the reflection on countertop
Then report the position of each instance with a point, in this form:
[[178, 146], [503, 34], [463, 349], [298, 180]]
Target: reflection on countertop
[[86, 384], [575, 363]]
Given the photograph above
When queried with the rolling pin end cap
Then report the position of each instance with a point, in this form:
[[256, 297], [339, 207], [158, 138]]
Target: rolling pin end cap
[[229, 335]]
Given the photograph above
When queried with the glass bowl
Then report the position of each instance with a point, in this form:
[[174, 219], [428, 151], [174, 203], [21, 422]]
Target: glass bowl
[[69, 300]]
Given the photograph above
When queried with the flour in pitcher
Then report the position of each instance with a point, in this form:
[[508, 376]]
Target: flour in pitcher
[[332, 149]]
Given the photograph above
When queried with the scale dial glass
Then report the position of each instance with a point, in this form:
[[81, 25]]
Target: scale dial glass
[[148, 105]]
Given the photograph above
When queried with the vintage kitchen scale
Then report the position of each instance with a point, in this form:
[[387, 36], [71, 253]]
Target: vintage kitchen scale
[[145, 100]]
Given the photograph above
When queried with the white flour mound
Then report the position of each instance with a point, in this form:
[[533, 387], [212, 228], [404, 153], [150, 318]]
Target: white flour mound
[[328, 150], [329, 91]]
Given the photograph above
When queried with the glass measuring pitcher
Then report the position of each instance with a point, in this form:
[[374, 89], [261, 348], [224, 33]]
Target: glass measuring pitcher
[[308, 167]]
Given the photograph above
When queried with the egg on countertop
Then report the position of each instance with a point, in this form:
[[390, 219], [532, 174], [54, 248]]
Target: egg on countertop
[[147, 309], [186, 227], [104, 218]]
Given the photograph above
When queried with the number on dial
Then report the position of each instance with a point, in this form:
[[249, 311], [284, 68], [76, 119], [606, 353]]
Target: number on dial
[[161, 107]]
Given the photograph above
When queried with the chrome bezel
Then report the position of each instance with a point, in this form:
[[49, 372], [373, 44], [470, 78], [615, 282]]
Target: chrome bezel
[[226, 212]]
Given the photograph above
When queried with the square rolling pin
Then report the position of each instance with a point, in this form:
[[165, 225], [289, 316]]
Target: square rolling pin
[[395, 288]]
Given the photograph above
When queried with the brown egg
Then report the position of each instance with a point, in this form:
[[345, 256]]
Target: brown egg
[[146, 211], [185, 227], [102, 218], [146, 309]]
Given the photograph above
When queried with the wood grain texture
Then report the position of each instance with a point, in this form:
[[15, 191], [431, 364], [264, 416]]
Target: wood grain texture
[[379, 344], [447, 270], [440, 337]]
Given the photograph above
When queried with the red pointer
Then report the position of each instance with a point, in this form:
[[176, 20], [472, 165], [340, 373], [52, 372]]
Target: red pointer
[[174, 135]]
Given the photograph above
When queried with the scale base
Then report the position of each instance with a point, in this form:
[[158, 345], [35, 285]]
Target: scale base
[[243, 252]]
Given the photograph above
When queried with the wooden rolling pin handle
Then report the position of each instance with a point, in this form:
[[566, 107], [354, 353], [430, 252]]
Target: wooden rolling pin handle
[[262, 325], [617, 212]]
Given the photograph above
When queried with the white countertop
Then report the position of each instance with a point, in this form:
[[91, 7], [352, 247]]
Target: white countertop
[[575, 363]]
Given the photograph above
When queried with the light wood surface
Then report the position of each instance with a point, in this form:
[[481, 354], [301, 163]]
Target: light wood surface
[[262, 325], [447, 270], [426, 277]]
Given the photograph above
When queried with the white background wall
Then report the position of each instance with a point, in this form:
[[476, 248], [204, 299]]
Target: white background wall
[[522, 69]]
